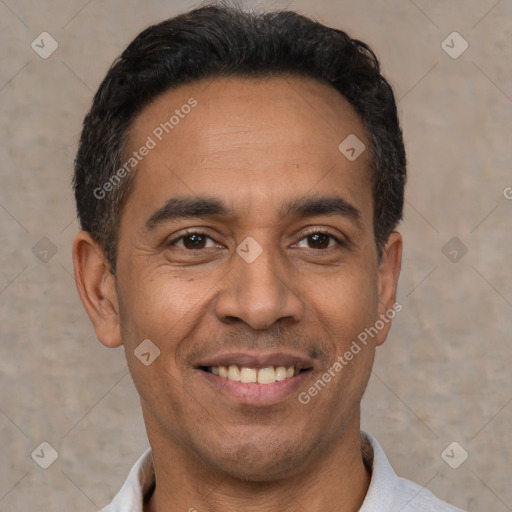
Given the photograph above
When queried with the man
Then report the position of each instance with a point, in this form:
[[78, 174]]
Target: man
[[239, 180]]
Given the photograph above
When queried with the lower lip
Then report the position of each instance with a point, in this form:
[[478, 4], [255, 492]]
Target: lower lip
[[257, 394]]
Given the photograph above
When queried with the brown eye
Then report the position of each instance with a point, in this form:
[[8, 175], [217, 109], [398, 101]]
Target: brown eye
[[191, 241], [319, 240], [194, 241]]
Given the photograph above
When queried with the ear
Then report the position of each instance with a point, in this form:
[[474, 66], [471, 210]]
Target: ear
[[97, 290], [389, 271]]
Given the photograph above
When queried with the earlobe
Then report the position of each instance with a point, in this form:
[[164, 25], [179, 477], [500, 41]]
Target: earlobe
[[96, 287], [389, 272]]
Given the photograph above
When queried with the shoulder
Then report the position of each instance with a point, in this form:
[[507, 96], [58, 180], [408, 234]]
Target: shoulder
[[412, 497]]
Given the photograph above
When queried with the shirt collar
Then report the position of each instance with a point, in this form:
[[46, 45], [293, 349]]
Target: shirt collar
[[139, 483]]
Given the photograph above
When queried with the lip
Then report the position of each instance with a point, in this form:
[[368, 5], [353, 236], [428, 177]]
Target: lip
[[258, 360], [254, 394]]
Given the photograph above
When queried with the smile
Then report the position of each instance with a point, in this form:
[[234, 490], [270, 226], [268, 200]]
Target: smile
[[257, 379]]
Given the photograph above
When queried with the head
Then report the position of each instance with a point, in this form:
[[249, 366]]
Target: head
[[224, 220]]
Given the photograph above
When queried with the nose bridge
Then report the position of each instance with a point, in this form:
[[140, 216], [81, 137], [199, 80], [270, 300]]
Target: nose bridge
[[258, 276], [258, 291]]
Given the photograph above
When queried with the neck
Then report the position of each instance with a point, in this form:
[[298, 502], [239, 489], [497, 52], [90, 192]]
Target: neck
[[334, 479]]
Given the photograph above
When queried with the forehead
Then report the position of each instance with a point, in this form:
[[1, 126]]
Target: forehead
[[252, 141]]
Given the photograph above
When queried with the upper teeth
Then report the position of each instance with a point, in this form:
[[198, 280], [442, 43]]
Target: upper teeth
[[266, 375]]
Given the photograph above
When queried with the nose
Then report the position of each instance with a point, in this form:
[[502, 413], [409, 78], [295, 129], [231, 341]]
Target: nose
[[259, 293]]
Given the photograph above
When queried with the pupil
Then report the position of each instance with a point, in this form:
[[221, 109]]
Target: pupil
[[194, 240], [320, 237]]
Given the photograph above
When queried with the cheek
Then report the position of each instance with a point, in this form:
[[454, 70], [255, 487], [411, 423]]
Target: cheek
[[163, 309], [154, 320], [346, 304], [157, 306]]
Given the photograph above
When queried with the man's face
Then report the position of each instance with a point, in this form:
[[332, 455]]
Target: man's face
[[259, 285]]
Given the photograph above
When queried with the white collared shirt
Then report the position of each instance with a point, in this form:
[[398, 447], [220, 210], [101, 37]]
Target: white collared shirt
[[387, 492]]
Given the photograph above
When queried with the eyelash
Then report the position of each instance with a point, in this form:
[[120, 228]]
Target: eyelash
[[306, 235]]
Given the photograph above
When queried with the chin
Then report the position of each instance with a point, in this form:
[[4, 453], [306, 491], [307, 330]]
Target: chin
[[265, 463]]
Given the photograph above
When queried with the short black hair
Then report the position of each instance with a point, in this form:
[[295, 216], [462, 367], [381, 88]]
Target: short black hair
[[221, 40]]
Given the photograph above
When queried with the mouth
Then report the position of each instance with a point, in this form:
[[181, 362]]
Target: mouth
[[256, 379]]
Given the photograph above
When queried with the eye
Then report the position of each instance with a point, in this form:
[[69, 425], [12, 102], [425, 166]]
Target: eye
[[197, 240], [320, 240], [191, 240]]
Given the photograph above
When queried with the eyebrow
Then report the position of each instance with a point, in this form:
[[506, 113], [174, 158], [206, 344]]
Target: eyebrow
[[185, 207]]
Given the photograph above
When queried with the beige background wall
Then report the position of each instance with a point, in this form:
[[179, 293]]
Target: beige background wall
[[444, 373]]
